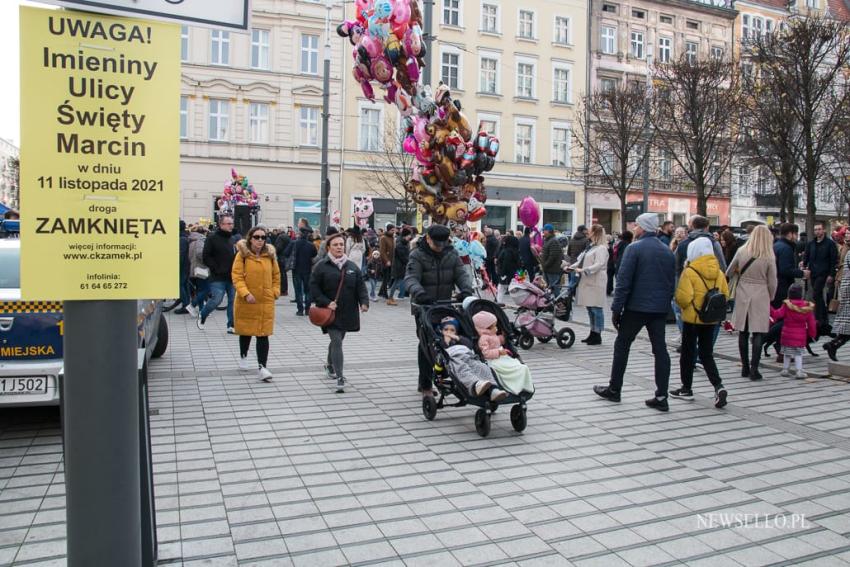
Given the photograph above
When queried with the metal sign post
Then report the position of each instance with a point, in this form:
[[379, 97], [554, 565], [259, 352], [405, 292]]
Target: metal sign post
[[100, 420]]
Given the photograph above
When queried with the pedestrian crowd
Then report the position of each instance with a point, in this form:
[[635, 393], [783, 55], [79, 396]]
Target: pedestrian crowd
[[779, 291]]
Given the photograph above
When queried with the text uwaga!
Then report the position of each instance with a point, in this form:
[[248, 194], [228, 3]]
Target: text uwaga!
[[98, 88]]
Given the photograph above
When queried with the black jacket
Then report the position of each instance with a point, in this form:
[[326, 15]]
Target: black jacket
[[508, 262], [491, 245], [682, 250], [401, 254], [786, 269], [184, 254], [526, 255], [218, 255], [433, 275], [280, 245], [821, 257], [552, 256], [324, 281], [304, 251]]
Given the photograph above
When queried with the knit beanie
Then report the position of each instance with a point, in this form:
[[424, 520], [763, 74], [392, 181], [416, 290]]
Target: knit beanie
[[483, 320]]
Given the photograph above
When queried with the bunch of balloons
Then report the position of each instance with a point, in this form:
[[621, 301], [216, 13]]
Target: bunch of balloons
[[237, 191], [447, 177], [528, 213]]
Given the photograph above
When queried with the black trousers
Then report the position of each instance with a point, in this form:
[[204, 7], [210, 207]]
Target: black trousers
[[702, 335], [284, 281], [262, 348], [818, 292], [426, 369], [630, 325], [386, 280]]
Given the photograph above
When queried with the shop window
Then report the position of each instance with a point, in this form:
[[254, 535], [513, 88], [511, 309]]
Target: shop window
[[561, 219], [310, 210], [498, 217], [680, 219]]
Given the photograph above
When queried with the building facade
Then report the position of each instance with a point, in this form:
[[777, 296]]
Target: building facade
[[626, 39], [520, 71], [9, 174], [253, 101]]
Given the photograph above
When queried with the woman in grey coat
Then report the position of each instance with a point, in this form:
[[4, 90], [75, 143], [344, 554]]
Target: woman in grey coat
[[754, 265], [591, 266]]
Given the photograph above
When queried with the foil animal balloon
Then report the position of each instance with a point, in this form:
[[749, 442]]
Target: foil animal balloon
[[363, 209]]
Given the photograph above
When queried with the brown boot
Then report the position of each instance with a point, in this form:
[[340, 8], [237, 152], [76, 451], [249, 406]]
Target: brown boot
[[392, 302]]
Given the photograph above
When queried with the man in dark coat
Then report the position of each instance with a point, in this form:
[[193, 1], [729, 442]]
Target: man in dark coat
[[433, 271], [551, 258], [821, 262], [185, 290], [280, 244], [526, 254], [303, 251], [787, 269], [401, 254], [698, 229], [218, 257], [642, 296], [386, 247], [491, 246]]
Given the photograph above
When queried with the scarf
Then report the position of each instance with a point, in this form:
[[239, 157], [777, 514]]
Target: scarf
[[339, 262]]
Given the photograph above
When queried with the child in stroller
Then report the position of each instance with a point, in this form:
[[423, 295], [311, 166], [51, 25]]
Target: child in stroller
[[512, 373], [475, 376]]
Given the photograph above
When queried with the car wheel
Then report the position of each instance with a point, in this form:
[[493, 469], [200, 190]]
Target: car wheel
[[161, 338]]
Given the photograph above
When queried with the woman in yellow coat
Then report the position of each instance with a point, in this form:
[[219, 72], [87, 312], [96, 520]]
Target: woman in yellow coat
[[256, 278], [701, 273]]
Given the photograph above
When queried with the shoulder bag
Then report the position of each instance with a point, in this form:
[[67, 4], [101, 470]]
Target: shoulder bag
[[733, 285], [324, 316]]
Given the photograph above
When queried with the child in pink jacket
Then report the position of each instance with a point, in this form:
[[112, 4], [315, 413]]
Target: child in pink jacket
[[798, 328], [513, 374]]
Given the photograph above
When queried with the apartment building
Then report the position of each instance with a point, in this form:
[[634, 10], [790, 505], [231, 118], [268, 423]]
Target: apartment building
[[520, 70], [253, 101], [626, 38], [9, 175]]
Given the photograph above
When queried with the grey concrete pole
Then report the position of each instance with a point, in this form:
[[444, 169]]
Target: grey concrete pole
[[100, 423], [326, 115], [428, 6]]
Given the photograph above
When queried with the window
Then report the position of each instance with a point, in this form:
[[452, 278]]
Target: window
[[489, 123], [560, 219], [524, 141], [716, 52], [811, 3], [768, 25], [561, 83], [260, 49], [746, 29], [691, 52], [666, 165], [665, 49], [370, 129], [606, 159], [219, 120], [609, 8], [639, 14], [451, 12], [310, 210], [258, 123], [309, 125], [560, 145], [608, 41], [450, 69], [526, 24], [607, 85], [490, 18], [692, 25], [184, 43], [220, 45], [562, 30], [525, 80], [184, 117], [636, 48], [666, 20], [743, 180], [489, 81], [310, 54]]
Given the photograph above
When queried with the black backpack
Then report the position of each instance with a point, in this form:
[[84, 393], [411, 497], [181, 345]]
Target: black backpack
[[714, 303]]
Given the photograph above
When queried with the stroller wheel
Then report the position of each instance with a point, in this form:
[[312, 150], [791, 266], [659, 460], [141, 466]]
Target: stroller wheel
[[429, 407], [526, 341], [566, 337], [544, 340], [482, 422], [518, 418]]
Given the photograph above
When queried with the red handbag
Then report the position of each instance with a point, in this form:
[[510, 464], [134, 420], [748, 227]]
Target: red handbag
[[324, 316]]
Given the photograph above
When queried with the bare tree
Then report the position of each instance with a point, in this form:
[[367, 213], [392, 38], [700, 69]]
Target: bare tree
[[389, 172], [697, 109], [614, 134], [807, 63], [838, 166]]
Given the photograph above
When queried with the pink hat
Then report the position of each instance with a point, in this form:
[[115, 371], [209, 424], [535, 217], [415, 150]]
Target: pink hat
[[483, 320]]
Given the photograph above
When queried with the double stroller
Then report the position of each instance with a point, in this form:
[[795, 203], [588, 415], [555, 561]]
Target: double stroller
[[536, 314], [430, 340]]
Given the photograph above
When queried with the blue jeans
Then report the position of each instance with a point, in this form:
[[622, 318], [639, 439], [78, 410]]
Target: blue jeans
[[398, 284], [597, 319], [217, 290], [554, 282], [302, 291], [677, 311], [373, 283], [201, 292]]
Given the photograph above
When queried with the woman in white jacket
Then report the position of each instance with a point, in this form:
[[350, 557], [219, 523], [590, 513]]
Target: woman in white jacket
[[591, 266]]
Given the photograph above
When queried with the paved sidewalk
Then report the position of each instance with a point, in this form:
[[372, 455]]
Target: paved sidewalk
[[290, 473]]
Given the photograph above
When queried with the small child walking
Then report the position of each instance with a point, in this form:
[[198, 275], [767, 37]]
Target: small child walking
[[373, 271], [799, 326]]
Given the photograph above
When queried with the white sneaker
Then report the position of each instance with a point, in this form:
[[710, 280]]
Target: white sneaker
[[230, 331], [193, 311], [800, 375], [497, 395], [481, 387], [200, 324], [244, 364], [264, 374], [785, 373]]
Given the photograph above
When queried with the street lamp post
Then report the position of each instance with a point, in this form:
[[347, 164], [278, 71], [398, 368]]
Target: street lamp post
[[646, 131], [326, 113]]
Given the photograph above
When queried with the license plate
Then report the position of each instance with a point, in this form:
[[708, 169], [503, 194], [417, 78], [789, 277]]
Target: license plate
[[23, 385]]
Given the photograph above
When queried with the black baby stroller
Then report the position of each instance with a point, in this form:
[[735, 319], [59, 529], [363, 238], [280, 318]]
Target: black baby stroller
[[428, 319]]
